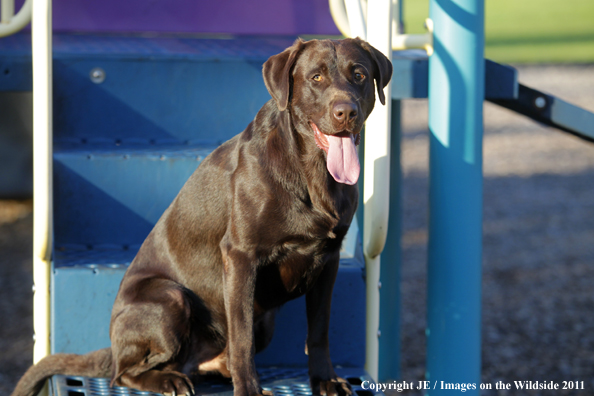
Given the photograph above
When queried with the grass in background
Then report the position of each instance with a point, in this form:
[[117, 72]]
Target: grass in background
[[527, 31]]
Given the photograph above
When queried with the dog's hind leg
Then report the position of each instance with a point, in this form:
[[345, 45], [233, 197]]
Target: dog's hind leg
[[151, 336]]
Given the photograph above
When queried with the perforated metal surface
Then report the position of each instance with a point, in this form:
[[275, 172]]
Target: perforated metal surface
[[282, 382]]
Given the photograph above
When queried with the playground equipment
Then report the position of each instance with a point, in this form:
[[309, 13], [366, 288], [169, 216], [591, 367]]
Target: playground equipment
[[116, 113], [11, 23]]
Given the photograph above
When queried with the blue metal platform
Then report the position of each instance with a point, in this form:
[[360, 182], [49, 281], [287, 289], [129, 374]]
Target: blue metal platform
[[281, 382]]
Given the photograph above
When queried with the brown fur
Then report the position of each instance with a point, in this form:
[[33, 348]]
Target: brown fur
[[259, 223]]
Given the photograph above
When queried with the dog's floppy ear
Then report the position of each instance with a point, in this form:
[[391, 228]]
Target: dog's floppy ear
[[382, 71], [277, 73]]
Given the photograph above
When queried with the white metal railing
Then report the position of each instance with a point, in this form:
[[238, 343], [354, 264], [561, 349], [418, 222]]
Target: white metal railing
[[11, 23], [376, 183], [378, 23], [350, 17], [41, 38]]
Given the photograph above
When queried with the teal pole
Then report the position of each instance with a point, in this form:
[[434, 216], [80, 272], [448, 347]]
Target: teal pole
[[456, 94]]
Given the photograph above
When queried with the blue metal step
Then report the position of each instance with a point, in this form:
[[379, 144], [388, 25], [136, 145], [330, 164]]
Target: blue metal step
[[169, 89], [112, 196], [85, 282], [282, 382]]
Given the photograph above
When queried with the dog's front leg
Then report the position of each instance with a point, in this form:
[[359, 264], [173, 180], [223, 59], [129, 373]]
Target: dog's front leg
[[318, 300], [239, 283]]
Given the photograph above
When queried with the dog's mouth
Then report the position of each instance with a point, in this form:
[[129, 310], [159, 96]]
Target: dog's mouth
[[341, 148]]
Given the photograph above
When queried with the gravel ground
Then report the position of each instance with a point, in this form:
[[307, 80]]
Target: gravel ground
[[538, 251], [538, 299]]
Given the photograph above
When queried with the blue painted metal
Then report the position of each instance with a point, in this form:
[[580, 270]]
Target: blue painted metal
[[411, 68], [551, 111], [162, 90], [501, 81], [85, 283], [411, 71], [113, 196], [15, 63], [456, 94], [279, 381]]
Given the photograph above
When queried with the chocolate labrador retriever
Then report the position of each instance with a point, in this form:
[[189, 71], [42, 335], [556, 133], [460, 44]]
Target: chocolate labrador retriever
[[260, 222]]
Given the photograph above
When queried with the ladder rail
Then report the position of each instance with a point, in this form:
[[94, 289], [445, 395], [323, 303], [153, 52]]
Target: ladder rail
[[41, 37], [11, 23]]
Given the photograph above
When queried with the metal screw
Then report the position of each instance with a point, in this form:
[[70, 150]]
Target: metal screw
[[540, 102], [97, 75], [379, 333], [379, 284]]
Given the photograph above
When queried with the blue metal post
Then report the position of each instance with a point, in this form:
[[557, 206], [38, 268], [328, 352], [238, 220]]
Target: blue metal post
[[456, 93]]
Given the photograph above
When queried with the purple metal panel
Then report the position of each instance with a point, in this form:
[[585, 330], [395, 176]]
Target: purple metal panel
[[237, 17]]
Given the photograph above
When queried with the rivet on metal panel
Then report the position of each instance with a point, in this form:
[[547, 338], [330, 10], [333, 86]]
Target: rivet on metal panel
[[540, 102], [97, 75]]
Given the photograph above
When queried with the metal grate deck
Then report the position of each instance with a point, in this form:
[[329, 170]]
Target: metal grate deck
[[282, 382]]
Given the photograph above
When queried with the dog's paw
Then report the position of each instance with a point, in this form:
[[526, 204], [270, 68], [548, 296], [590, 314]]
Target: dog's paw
[[176, 384], [334, 387], [254, 390]]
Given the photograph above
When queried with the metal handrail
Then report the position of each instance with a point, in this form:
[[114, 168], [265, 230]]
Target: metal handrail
[[376, 189], [41, 38], [11, 23], [350, 18]]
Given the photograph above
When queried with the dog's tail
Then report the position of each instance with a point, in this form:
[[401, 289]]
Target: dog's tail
[[93, 364]]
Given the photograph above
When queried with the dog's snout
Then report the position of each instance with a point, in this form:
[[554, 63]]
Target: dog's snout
[[344, 112]]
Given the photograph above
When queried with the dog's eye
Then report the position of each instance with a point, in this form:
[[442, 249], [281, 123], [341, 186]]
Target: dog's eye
[[317, 78], [359, 76]]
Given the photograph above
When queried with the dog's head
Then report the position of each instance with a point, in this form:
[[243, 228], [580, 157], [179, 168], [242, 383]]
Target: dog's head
[[328, 86]]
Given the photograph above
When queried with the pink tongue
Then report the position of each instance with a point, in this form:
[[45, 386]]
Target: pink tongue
[[342, 161]]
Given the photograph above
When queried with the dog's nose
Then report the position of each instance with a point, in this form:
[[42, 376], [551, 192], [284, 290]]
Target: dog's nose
[[344, 111]]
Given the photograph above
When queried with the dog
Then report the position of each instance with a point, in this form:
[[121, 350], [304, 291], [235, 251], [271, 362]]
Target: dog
[[260, 222]]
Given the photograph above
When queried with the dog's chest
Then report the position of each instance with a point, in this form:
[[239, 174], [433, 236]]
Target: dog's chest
[[295, 266]]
